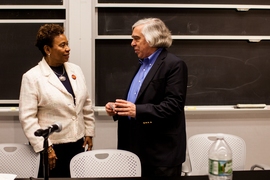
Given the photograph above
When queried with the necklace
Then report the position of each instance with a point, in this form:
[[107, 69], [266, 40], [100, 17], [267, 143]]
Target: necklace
[[60, 76]]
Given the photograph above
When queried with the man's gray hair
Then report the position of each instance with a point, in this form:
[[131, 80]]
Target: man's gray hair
[[155, 32]]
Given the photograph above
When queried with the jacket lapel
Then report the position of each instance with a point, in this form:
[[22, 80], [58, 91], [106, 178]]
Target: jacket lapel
[[72, 78], [52, 78], [152, 71]]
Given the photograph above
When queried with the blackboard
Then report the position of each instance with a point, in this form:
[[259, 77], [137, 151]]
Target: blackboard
[[31, 2], [32, 14], [17, 54], [115, 64], [187, 21], [220, 72], [17, 42], [262, 2]]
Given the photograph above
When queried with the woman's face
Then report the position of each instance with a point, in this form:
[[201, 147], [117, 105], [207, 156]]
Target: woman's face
[[59, 52]]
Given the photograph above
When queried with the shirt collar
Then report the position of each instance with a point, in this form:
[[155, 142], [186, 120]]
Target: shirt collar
[[152, 58]]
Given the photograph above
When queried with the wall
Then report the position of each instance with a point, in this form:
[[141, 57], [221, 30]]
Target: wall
[[252, 125]]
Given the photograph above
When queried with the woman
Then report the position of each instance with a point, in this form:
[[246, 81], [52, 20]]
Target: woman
[[55, 91]]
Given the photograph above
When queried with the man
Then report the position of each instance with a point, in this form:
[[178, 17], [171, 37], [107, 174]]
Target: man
[[151, 121]]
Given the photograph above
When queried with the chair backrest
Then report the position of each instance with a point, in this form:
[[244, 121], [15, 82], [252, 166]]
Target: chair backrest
[[198, 146], [105, 163], [19, 159]]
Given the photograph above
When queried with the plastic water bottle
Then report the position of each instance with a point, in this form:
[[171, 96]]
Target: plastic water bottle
[[220, 160]]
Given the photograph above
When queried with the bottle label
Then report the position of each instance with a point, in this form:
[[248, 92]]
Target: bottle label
[[220, 167]]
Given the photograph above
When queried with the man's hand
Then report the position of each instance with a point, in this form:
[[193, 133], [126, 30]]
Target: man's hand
[[110, 109], [125, 108]]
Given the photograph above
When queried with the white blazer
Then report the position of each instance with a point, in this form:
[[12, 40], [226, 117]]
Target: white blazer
[[44, 100]]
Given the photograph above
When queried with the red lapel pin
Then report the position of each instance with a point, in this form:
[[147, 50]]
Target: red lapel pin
[[73, 76]]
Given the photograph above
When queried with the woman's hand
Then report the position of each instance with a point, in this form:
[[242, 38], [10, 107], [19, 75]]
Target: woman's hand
[[51, 157], [88, 141]]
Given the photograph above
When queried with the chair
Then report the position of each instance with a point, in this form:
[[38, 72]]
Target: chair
[[19, 159], [105, 163], [198, 146], [186, 166]]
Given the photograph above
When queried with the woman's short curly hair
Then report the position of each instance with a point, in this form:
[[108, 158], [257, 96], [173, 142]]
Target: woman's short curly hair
[[46, 35], [155, 32]]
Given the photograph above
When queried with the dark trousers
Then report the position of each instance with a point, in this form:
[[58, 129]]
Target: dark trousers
[[156, 171], [64, 152]]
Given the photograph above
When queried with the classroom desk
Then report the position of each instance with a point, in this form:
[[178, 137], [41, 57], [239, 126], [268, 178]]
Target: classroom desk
[[237, 175]]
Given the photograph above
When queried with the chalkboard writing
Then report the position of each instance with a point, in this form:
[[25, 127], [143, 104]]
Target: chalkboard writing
[[18, 54], [219, 72], [262, 2], [118, 21]]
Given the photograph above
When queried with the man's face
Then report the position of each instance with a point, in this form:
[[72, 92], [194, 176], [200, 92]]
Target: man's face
[[141, 47]]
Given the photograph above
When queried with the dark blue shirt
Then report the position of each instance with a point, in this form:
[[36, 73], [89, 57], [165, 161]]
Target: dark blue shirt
[[60, 70]]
